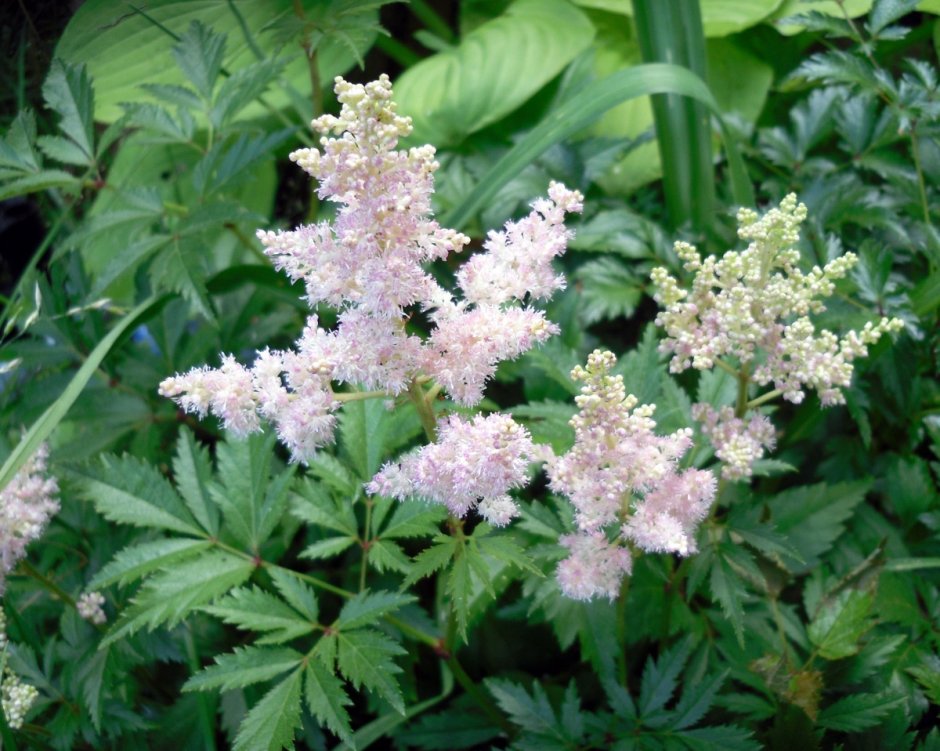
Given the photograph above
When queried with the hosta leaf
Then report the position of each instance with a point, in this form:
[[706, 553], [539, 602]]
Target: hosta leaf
[[243, 667], [365, 659], [136, 561], [327, 699], [859, 711], [256, 610], [270, 724], [367, 607], [129, 491], [494, 69], [125, 50]]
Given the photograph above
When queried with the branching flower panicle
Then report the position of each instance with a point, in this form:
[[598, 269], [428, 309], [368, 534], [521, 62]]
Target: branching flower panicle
[[753, 308], [369, 265], [620, 472]]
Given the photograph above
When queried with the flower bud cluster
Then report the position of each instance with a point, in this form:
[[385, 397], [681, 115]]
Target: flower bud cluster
[[26, 505], [738, 443], [754, 306], [90, 606], [620, 472], [369, 265], [472, 464], [16, 697]]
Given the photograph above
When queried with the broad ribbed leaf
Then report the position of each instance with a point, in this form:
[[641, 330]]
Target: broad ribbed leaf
[[124, 49], [494, 69], [243, 667]]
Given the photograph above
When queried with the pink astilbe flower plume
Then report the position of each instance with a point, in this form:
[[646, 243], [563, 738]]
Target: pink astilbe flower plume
[[26, 505], [472, 464], [621, 475], [368, 263]]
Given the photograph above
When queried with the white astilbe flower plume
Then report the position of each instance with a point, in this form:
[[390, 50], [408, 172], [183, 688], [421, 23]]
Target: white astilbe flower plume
[[368, 263], [621, 475], [26, 505], [473, 463], [753, 307]]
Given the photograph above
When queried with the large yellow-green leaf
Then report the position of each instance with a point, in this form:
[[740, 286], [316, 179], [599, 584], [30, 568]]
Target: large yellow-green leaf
[[123, 49], [494, 69], [719, 17], [853, 8], [738, 80]]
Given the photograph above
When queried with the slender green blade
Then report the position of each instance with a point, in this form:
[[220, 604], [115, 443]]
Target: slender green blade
[[585, 107], [49, 419]]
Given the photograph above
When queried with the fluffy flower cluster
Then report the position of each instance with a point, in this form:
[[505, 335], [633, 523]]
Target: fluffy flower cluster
[[473, 463], [738, 443], [754, 306], [16, 697], [369, 265], [620, 472], [90, 606], [26, 505]]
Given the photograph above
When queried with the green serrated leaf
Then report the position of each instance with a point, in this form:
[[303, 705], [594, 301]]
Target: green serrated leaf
[[812, 517], [199, 54], [433, 559], [271, 723], [365, 657], [297, 594], [366, 608], [726, 587], [171, 595], [192, 470], [859, 711], [660, 677], [840, 623], [129, 491], [532, 713], [327, 548], [244, 667], [313, 504], [68, 91], [253, 609], [136, 561], [413, 519], [609, 290], [327, 699]]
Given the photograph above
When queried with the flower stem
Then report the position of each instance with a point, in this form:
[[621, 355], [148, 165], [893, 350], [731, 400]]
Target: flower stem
[[425, 407], [27, 568], [764, 398], [475, 693]]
